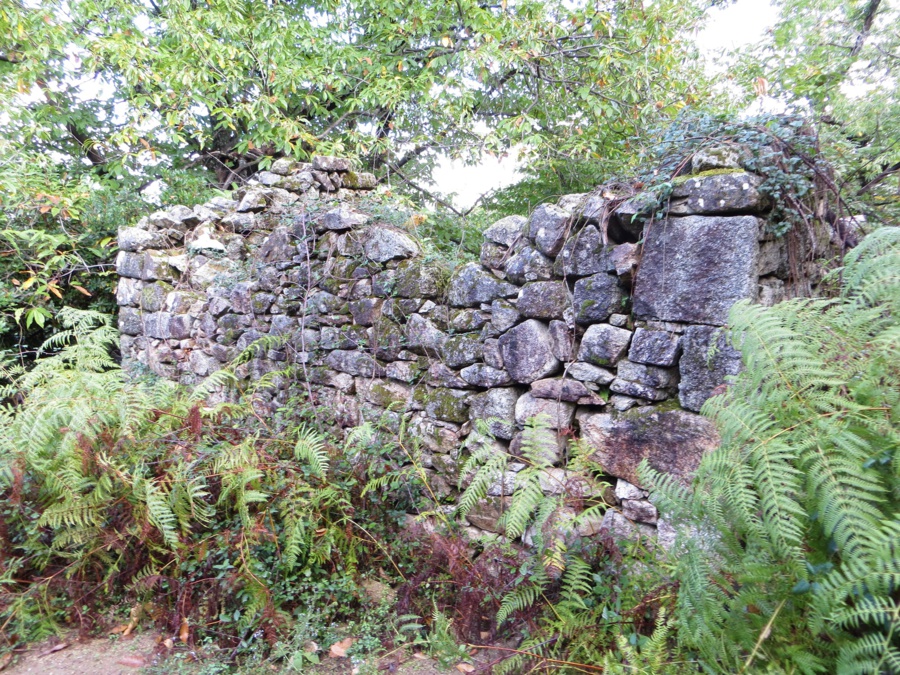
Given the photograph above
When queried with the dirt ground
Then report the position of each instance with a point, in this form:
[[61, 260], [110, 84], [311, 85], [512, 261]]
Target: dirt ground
[[133, 655]]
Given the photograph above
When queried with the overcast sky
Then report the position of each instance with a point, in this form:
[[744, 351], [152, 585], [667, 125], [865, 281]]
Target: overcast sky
[[741, 23]]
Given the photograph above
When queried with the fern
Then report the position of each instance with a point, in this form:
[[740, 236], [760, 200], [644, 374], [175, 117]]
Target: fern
[[795, 516]]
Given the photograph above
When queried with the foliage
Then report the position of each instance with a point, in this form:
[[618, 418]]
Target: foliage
[[128, 492], [792, 563]]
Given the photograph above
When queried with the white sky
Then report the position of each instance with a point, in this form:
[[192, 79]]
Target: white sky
[[741, 23]]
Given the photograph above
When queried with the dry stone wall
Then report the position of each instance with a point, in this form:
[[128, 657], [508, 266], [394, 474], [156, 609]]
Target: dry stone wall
[[581, 312]]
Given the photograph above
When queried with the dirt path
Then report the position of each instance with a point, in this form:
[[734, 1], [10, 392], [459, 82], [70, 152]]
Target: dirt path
[[104, 656]]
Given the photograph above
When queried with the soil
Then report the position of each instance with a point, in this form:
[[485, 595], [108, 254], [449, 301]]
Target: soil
[[103, 656], [131, 655]]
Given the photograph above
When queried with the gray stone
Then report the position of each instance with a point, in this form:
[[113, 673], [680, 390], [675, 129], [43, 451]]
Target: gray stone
[[498, 408], [471, 285], [596, 297], [655, 347], [157, 266], [543, 299], [492, 356], [381, 244], [721, 156], [298, 182], [359, 180], [178, 218], [130, 265], [130, 322], [652, 376], [626, 490], [343, 218], [694, 269], [435, 436], [404, 371], [625, 258], [449, 405], [354, 363], [283, 166], [240, 222], [604, 345], [417, 279], [503, 316], [128, 292], [486, 514], [528, 265], [718, 193], [384, 393], [640, 510], [672, 442], [547, 228], [167, 326], [506, 231], [278, 246], [205, 244], [707, 363], [461, 350], [623, 403], [584, 254], [467, 320], [326, 163], [481, 375], [562, 341], [440, 375], [493, 256], [254, 200], [153, 296], [203, 364], [527, 352], [585, 372], [618, 320], [559, 389], [268, 178], [638, 390], [136, 239], [422, 334], [619, 527], [366, 312], [324, 181]]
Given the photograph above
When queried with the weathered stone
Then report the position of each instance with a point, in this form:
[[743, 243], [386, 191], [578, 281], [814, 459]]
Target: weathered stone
[[157, 266], [625, 258], [655, 347], [416, 279], [130, 322], [506, 231], [556, 414], [366, 312], [562, 341], [543, 299], [153, 296], [492, 356], [604, 345], [498, 408], [493, 256], [596, 297], [440, 375], [358, 180], [384, 393], [341, 337], [486, 514], [626, 490], [503, 316], [298, 182], [585, 372], [626, 223], [584, 254], [720, 156], [652, 376], [343, 218], [694, 269], [707, 363], [559, 389], [481, 375], [326, 163], [128, 292], [547, 228], [422, 334], [167, 326], [136, 239], [672, 441], [638, 390], [240, 222], [283, 166], [527, 352], [441, 437], [471, 285], [382, 244], [619, 527], [130, 265], [450, 405], [528, 265], [468, 320], [268, 178], [461, 350], [178, 218], [640, 510], [355, 363], [203, 364], [261, 303], [254, 200], [718, 193]]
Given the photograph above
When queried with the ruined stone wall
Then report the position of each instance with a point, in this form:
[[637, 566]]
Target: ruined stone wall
[[579, 311]]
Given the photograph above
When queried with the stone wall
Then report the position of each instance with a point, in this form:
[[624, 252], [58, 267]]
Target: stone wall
[[581, 311]]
